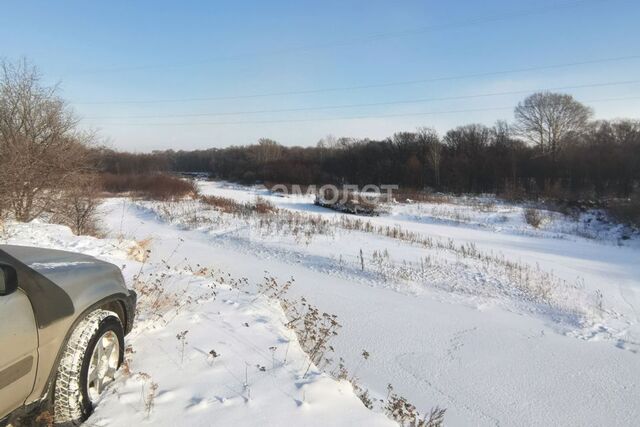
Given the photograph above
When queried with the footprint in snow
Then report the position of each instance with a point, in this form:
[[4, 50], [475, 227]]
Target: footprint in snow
[[197, 403], [164, 396], [231, 303], [129, 398]]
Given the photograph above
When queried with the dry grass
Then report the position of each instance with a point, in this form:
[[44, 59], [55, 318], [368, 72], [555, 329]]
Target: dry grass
[[230, 206], [263, 206], [399, 409], [524, 282], [139, 251], [533, 284], [223, 204], [408, 196], [158, 186], [316, 330]]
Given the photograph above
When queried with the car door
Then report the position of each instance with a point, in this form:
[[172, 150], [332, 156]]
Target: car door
[[18, 349]]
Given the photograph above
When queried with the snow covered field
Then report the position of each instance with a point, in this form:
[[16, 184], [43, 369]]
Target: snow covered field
[[460, 305], [239, 365]]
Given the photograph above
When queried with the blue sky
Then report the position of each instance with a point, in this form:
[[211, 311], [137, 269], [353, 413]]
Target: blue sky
[[111, 56]]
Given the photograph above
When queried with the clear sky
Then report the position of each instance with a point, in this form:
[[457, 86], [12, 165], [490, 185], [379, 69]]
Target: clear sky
[[184, 74]]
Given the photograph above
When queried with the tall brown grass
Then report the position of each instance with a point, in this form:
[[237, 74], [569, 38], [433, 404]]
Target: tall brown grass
[[159, 186], [230, 206]]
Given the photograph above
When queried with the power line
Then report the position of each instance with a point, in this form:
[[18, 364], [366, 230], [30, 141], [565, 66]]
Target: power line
[[425, 113], [369, 86], [371, 104], [359, 39]]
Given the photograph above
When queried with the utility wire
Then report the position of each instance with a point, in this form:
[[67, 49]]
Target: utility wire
[[359, 39], [426, 113], [369, 86], [371, 104]]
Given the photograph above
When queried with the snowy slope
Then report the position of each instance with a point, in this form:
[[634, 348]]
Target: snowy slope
[[457, 336], [240, 365]]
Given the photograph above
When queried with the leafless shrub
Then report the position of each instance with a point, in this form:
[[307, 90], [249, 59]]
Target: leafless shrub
[[365, 398], [159, 186], [272, 289], [532, 217], [158, 302], [42, 152], [148, 397], [263, 206], [77, 207], [361, 392], [402, 411], [314, 329], [155, 299], [182, 341], [435, 419], [223, 204]]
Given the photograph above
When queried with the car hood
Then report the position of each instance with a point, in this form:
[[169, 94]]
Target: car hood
[[53, 279]]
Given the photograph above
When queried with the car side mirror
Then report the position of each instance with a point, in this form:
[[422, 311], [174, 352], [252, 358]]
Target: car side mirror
[[8, 279]]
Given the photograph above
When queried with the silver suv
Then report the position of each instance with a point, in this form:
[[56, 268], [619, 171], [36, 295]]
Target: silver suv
[[64, 317]]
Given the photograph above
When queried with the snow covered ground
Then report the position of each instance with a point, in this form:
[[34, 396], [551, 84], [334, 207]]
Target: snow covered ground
[[239, 365], [457, 335], [461, 305]]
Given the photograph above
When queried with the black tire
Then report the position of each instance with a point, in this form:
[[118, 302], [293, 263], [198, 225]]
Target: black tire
[[71, 401]]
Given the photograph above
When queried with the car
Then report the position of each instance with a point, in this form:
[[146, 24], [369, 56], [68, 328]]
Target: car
[[63, 320]]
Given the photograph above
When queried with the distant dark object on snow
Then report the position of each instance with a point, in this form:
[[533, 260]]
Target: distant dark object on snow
[[350, 202]]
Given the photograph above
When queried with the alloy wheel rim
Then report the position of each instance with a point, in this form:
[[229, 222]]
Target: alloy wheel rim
[[103, 364]]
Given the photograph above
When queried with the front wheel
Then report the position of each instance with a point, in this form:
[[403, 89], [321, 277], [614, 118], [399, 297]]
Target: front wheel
[[89, 364]]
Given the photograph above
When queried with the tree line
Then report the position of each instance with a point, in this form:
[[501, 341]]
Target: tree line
[[552, 148]]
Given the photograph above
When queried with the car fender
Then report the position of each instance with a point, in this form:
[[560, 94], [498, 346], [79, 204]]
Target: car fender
[[52, 351]]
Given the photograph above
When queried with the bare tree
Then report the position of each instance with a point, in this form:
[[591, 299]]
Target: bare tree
[[268, 150], [546, 118], [328, 142], [77, 206], [430, 137], [41, 149]]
